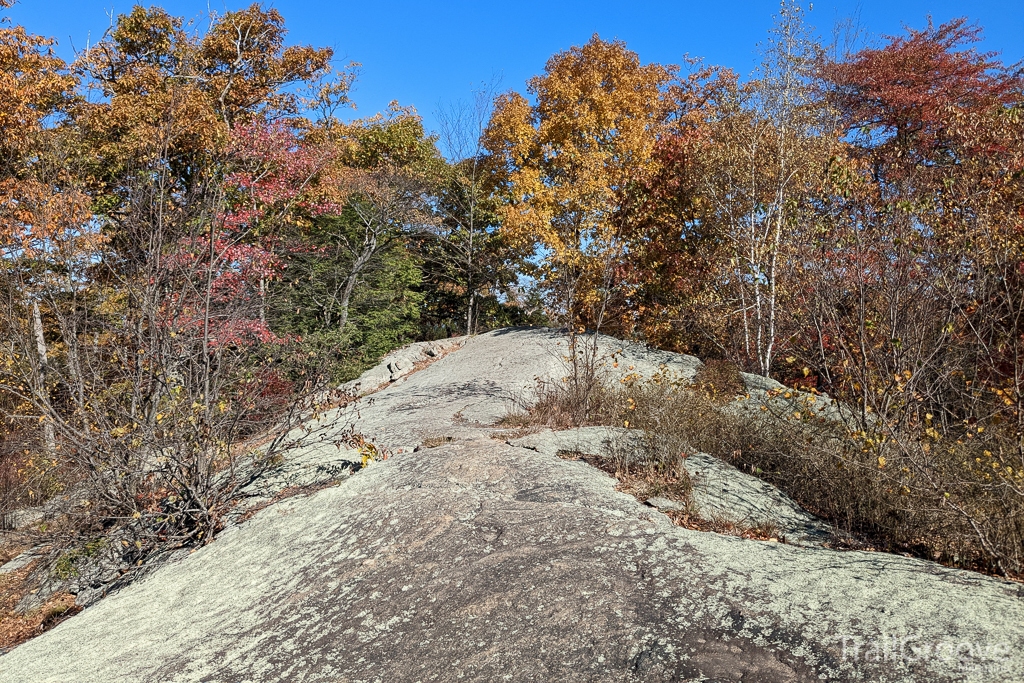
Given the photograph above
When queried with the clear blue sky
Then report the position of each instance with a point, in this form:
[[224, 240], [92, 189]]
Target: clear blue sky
[[428, 54]]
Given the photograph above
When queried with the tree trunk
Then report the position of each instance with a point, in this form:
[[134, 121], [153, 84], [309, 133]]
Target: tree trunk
[[369, 249], [346, 296], [49, 437]]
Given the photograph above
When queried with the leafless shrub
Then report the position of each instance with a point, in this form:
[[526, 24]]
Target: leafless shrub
[[584, 398], [152, 384], [27, 477], [897, 495], [720, 379]]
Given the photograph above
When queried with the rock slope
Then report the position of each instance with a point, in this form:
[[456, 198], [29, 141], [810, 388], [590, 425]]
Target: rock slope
[[719, 490], [480, 560]]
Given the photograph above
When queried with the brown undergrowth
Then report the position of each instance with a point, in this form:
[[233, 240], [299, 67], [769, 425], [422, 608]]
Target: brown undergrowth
[[66, 538], [646, 482], [15, 627], [765, 530], [881, 489]]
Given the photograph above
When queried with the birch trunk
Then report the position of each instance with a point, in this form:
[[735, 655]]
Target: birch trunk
[[49, 437]]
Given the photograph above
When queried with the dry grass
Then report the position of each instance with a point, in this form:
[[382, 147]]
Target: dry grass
[[900, 495], [755, 531], [435, 440], [644, 484]]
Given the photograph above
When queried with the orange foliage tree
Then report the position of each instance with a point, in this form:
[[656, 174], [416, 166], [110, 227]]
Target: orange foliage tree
[[565, 164]]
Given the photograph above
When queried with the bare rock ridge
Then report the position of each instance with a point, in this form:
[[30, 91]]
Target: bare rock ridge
[[481, 560]]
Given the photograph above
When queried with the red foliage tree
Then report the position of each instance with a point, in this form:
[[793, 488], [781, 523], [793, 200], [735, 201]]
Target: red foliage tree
[[901, 97], [272, 180]]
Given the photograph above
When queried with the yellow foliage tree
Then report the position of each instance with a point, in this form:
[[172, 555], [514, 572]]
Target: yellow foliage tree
[[565, 163]]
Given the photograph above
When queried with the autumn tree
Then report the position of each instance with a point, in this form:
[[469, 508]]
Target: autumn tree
[[351, 280], [783, 150], [564, 165], [767, 147], [151, 357], [898, 99], [913, 273], [151, 69], [42, 207], [898, 217], [390, 165], [674, 297], [715, 229]]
